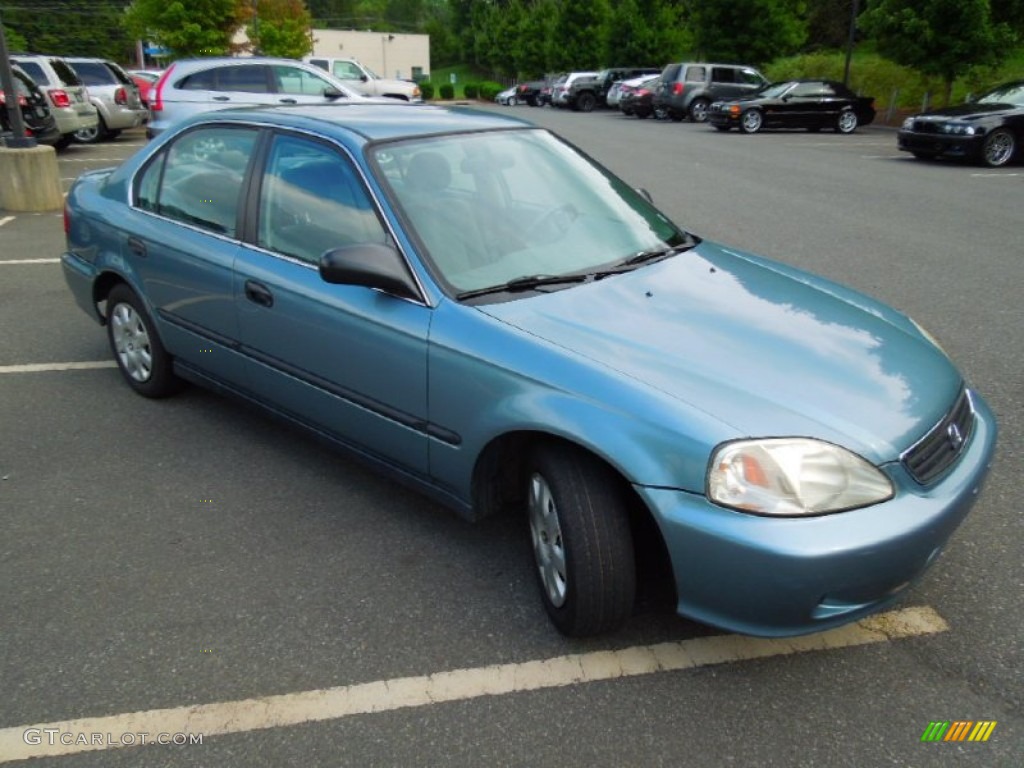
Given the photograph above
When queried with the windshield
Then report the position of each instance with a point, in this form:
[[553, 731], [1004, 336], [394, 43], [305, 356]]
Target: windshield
[[489, 208], [1012, 93], [775, 90]]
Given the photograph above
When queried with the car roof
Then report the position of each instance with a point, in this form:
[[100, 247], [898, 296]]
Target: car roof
[[372, 122]]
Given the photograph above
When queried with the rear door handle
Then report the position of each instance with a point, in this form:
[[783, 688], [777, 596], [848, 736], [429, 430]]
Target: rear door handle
[[258, 293], [222, 98], [137, 247], [288, 101]]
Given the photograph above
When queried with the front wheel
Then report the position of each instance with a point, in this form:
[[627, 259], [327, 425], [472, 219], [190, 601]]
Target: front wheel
[[998, 148], [586, 102], [847, 122], [751, 121], [582, 542], [137, 348]]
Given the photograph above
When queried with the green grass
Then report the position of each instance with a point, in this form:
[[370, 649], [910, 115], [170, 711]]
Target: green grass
[[893, 85]]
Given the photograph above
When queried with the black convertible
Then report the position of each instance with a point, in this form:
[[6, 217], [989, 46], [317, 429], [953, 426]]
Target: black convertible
[[990, 129], [810, 104]]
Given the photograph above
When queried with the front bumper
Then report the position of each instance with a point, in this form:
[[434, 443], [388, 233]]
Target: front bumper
[[949, 145], [790, 576]]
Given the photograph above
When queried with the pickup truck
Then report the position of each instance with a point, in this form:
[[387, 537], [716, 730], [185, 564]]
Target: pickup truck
[[363, 79], [589, 92]]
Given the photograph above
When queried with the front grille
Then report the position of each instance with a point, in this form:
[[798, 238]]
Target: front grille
[[934, 453], [927, 126]]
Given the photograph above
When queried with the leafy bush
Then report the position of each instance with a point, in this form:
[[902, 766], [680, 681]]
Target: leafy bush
[[489, 89], [427, 90], [470, 90], [447, 91]]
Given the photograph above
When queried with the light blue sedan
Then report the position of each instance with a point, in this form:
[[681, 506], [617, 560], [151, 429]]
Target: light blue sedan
[[471, 304]]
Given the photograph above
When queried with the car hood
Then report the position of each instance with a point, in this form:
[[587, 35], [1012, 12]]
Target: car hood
[[764, 349], [968, 112]]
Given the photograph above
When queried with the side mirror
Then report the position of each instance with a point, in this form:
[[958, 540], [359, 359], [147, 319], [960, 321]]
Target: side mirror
[[330, 92], [645, 194], [364, 77], [370, 265]]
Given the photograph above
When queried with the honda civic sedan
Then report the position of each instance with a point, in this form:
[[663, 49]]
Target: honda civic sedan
[[471, 304]]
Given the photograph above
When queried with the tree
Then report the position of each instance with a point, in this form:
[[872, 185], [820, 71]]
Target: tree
[[192, 28], [14, 40], [747, 31], [938, 37], [71, 27], [281, 28], [580, 32]]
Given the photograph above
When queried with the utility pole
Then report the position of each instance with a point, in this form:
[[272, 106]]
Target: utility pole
[[18, 139], [850, 40]]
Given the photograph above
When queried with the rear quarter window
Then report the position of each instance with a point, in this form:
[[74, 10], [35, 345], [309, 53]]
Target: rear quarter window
[[94, 73], [696, 74], [64, 72]]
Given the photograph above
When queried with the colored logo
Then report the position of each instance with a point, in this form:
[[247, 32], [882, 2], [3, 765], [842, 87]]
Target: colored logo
[[958, 730]]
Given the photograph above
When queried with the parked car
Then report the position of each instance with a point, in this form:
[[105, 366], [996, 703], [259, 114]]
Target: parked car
[[35, 114], [530, 92], [115, 96], [66, 93], [190, 86], [560, 91], [687, 89], [587, 93], [638, 100], [364, 80], [144, 80], [508, 97], [615, 92], [810, 104], [989, 130], [506, 325]]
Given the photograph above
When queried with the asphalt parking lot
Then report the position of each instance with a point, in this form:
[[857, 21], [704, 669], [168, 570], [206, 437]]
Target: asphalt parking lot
[[191, 566]]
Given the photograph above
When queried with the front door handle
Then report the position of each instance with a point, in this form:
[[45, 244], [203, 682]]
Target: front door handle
[[222, 98], [258, 293], [288, 101], [137, 247]]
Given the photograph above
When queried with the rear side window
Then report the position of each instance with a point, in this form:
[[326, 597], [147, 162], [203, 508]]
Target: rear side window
[[671, 72], [34, 71], [248, 79], [64, 72], [723, 75], [198, 179], [94, 73], [696, 74]]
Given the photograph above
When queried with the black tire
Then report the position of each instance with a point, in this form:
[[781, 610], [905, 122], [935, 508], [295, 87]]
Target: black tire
[[723, 128], [698, 111], [999, 148], [582, 541], [113, 134], [92, 135], [586, 102], [847, 121], [64, 141], [675, 117], [136, 347], [751, 121]]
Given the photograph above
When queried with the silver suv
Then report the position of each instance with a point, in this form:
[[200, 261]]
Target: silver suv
[[191, 86], [687, 89], [114, 95], [65, 92]]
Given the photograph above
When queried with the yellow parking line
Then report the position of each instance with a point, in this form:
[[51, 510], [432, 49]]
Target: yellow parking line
[[135, 728]]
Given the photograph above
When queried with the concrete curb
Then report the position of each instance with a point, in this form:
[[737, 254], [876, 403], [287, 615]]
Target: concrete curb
[[31, 180]]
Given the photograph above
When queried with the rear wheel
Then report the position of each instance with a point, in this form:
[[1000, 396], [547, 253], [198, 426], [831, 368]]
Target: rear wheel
[[582, 542], [92, 135], [847, 122], [998, 148], [751, 121], [699, 110], [586, 102], [137, 348]]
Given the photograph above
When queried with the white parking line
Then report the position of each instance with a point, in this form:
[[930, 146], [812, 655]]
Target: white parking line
[[29, 261], [47, 367], [90, 159], [995, 175], [6, 220], [114, 731]]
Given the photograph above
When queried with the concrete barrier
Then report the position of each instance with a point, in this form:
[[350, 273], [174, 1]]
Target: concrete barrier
[[30, 180]]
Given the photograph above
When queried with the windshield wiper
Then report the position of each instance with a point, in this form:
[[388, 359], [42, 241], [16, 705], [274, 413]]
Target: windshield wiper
[[652, 254], [524, 283]]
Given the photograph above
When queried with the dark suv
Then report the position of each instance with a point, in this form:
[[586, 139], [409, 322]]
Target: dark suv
[[687, 89], [589, 92]]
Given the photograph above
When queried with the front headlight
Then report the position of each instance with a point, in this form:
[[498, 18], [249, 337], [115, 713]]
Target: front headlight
[[960, 129], [793, 476], [908, 124]]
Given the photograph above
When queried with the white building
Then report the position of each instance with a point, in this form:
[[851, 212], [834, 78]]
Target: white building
[[389, 54]]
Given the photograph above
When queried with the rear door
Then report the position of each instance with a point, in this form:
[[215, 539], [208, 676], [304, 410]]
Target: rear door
[[297, 85]]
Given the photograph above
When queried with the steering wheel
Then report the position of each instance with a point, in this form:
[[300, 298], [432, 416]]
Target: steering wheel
[[558, 220]]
